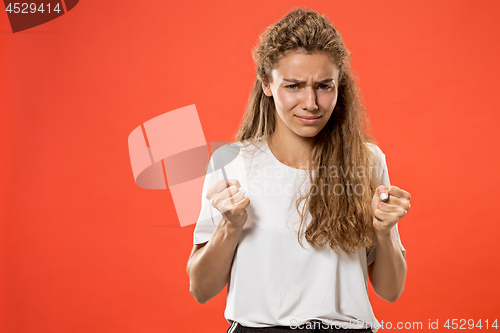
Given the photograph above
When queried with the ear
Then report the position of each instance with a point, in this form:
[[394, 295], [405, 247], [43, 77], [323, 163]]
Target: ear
[[267, 89]]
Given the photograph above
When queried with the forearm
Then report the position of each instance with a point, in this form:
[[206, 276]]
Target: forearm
[[388, 272], [209, 268]]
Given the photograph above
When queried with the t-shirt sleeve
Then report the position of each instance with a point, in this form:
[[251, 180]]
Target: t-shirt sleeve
[[209, 216], [383, 175]]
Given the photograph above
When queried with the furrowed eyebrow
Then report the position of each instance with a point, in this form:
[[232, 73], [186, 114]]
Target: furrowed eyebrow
[[299, 81]]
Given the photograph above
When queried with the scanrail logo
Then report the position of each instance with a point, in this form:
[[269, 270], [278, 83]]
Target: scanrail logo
[[26, 15]]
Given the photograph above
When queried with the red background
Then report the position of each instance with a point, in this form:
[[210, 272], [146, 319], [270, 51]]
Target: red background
[[83, 249]]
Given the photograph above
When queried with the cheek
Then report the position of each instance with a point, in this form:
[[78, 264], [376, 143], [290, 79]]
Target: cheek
[[286, 99], [328, 104], [329, 100]]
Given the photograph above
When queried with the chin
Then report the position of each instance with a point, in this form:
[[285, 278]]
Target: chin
[[307, 134]]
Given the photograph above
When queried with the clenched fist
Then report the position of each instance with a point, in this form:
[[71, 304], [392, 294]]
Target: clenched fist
[[389, 205], [229, 200]]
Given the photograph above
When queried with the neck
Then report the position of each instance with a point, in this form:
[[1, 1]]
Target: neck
[[291, 150]]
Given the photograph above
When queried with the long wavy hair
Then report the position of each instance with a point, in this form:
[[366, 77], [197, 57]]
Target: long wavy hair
[[340, 157]]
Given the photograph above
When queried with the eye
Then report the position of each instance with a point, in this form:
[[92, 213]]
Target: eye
[[292, 86], [325, 86]]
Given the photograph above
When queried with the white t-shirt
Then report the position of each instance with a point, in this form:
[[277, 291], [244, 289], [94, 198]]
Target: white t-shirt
[[274, 280]]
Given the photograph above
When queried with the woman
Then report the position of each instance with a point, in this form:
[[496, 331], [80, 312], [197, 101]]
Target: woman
[[307, 212]]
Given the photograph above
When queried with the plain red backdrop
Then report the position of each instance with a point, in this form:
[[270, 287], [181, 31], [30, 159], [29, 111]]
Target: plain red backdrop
[[83, 249]]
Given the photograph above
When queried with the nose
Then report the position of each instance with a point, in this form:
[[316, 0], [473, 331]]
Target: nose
[[309, 102]]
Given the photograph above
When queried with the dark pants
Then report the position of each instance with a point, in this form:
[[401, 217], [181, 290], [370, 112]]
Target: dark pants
[[316, 327]]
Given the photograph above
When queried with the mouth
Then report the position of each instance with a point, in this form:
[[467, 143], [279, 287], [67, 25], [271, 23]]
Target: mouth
[[308, 119]]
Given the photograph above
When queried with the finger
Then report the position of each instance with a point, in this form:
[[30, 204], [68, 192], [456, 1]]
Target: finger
[[236, 209], [238, 197], [217, 199], [395, 201], [217, 188], [243, 204], [233, 194], [232, 188], [224, 202], [389, 216], [401, 202], [386, 207], [399, 209], [234, 182], [229, 192], [381, 192], [221, 186], [399, 193]]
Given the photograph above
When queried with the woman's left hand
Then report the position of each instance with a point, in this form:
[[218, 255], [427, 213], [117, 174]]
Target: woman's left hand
[[389, 204]]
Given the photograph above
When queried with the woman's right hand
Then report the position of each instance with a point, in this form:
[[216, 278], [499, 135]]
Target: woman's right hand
[[209, 266], [229, 201]]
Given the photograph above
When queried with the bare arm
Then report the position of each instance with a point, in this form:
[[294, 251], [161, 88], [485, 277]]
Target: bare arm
[[210, 263], [388, 272]]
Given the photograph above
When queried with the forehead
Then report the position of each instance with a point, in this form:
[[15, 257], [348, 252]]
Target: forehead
[[300, 65]]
